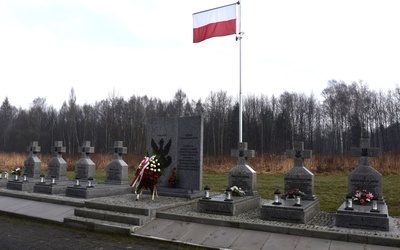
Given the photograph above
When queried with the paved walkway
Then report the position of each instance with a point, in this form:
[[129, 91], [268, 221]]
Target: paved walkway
[[216, 237]]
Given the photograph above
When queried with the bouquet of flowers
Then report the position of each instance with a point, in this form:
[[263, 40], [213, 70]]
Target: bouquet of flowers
[[291, 193], [16, 171], [237, 191], [173, 179], [362, 197]]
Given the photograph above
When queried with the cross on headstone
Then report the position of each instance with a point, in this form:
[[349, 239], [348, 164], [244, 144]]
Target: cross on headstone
[[33, 149], [86, 149], [59, 148], [242, 153], [119, 150], [299, 154], [365, 151]]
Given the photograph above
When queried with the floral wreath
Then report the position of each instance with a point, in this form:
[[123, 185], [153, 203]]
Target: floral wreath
[[151, 168], [16, 171], [362, 197]]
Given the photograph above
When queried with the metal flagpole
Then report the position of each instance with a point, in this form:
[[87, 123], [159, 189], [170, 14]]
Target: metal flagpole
[[239, 37]]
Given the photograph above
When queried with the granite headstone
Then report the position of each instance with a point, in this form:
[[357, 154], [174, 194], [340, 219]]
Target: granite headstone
[[117, 169]]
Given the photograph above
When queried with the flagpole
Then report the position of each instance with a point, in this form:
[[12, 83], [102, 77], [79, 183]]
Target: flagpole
[[239, 37]]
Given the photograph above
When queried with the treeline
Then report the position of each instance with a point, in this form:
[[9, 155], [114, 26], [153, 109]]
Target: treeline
[[329, 124]]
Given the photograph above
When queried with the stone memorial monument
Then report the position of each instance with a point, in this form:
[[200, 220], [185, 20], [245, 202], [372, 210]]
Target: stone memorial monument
[[117, 169], [364, 211], [32, 170], [183, 137], [56, 180], [241, 177], [298, 181]]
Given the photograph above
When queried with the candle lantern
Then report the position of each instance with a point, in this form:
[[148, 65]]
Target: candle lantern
[[77, 182], [298, 200], [53, 180], [206, 192], [277, 199], [41, 178], [1, 175], [228, 195], [349, 202], [16, 177], [25, 177], [375, 205], [6, 175], [90, 182]]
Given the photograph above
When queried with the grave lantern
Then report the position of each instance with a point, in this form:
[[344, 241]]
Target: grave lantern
[[41, 178], [206, 192], [374, 205], [298, 200], [277, 199], [53, 180], [25, 177], [6, 175], [349, 202], [90, 180], [77, 182], [228, 195], [1, 175]]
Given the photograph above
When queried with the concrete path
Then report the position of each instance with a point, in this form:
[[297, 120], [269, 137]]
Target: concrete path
[[216, 237]]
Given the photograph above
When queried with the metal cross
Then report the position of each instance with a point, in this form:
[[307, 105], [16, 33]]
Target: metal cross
[[242, 153], [299, 154]]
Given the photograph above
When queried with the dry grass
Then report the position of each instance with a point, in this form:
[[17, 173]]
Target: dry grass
[[266, 164]]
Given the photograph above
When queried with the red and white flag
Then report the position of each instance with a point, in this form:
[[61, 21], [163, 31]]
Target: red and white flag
[[220, 21]]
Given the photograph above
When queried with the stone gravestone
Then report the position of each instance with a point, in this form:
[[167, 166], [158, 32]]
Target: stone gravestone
[[241, 176], [85, 168], [32, 170], [57, 166], [33, 165], [364, 177], [183, 136], [117, 169], [57, 169], [298, 178]]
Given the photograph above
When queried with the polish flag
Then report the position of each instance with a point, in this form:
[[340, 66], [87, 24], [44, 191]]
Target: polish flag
[[220, 21]]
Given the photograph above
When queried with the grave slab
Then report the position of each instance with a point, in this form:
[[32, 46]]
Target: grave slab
[[364, 177], [97, 190], [287, 212], [241, 176], [20, 185], [297, 178]]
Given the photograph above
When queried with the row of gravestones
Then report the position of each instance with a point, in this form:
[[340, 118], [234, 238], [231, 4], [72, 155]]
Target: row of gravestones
[[82, 186], [185, 145]]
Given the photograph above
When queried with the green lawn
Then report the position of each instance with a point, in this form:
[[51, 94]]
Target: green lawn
[[331, 190]]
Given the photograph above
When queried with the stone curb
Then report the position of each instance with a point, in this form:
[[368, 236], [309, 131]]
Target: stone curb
[[315, 233]]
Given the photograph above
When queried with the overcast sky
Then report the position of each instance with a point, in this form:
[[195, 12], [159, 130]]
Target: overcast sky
[[144, 47]]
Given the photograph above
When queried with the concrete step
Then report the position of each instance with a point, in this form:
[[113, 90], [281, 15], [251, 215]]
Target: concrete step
[[99, 225], [112, 216], [120, 208]]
